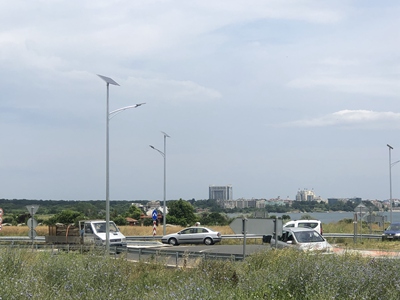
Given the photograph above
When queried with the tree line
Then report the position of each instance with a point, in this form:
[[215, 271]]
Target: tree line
[[180, 212]]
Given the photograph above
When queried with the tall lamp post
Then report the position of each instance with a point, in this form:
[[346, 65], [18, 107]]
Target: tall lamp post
[[109, 114], [390, 180], [164, 155]]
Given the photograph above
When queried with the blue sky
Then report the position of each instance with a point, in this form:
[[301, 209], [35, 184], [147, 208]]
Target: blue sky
[[268, 96]]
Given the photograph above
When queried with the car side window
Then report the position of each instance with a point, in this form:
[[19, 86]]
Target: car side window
[[88, 228], [284, 236], [204, 230], [186, 231], [290, 237], [290, 225]]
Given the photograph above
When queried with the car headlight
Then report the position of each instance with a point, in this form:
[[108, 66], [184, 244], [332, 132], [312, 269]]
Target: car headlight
[[397, 234]]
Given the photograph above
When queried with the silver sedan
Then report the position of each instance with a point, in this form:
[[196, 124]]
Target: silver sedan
[[193, 235]]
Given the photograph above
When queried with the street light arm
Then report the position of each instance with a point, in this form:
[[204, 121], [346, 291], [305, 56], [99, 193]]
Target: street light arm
[[393, 163], [114, 112], [159, 151]]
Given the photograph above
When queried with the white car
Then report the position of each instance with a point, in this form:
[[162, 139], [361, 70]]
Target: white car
[[305, 239], [193, 235], [314, 224]]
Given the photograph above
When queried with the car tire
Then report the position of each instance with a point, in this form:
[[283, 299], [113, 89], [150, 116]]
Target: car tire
[[173, 242], [208, 241]]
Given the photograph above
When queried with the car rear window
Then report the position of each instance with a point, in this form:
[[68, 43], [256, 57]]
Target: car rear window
[[308, 225]]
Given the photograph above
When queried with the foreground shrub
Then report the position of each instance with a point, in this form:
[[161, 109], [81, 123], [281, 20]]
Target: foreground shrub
[[267, 275]]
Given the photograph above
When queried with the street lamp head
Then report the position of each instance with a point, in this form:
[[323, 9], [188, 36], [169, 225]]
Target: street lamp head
[[108, 80], [166, 135], [390, 147], [152, 147]]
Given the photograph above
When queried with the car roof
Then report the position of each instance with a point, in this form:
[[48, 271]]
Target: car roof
[[307, 220], [298, 229], [196, 227]]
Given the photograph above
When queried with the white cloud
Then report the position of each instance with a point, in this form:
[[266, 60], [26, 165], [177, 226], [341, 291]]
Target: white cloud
[[374, 86], [352, 118], [172, 90]]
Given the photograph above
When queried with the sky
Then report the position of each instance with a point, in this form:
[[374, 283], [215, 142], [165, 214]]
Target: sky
[[268, 96]]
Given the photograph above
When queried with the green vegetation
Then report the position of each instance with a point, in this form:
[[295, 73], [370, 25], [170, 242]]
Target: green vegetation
[[265, 275], [181, 212], [315, 206]]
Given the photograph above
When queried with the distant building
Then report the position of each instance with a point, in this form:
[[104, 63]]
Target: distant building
[[220, 192], [305, 195], [242, 203], [333, 201]]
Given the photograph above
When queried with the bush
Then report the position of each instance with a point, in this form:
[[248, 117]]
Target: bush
[[120, 221], [279, 274]]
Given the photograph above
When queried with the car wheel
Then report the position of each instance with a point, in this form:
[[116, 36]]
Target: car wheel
[[173, 242], [208, 241]]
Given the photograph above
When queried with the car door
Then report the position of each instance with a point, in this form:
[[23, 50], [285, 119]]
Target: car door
[[198, 235], [284, 238], [193, 237], [184, 236]]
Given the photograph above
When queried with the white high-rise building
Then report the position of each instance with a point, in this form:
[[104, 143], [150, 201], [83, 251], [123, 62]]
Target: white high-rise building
[[218, 192]]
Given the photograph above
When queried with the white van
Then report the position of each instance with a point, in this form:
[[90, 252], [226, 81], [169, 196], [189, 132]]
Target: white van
[[314, 224], [88, 232], [94, 232]]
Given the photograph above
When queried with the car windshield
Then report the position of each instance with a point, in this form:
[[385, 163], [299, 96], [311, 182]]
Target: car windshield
[[394, 227], [101, 227], [308, 237]]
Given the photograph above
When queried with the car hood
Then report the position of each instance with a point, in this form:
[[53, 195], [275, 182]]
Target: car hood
[[113, 235], [170, 235], [320, 246], [391, 232]]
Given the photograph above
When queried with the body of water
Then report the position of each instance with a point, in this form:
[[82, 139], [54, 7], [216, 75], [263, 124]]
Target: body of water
[[329, 217]]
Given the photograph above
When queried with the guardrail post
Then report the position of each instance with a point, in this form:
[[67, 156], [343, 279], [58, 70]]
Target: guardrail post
[[244, 231], [140, 253], [355, 232], [176, 258]]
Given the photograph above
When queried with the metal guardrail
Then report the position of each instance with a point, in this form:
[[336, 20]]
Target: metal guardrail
[[226, 236], [180, 257], [259, 236], [169, 257], [351, 235]]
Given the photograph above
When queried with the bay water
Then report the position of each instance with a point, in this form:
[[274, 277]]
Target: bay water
[[329, 217]]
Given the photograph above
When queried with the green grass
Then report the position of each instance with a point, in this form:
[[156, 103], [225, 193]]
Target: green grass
[[268, 275]]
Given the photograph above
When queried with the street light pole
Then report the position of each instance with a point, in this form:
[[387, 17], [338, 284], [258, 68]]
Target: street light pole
[[390, 181], [164, 155], [109, 81]]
